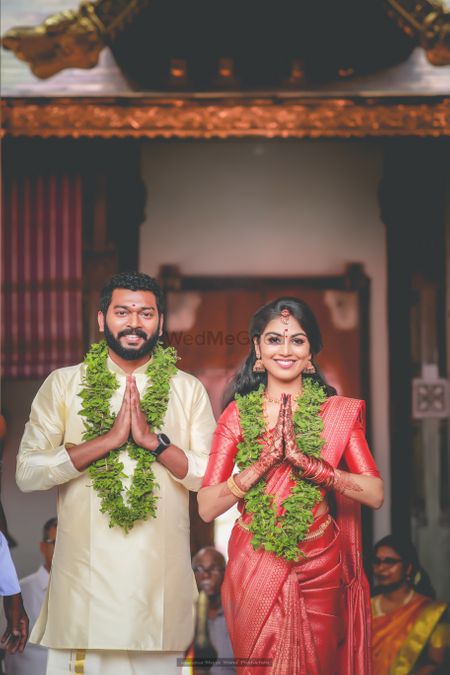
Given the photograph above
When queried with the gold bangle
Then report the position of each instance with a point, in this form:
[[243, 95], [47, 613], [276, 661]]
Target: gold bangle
[[235, 489]]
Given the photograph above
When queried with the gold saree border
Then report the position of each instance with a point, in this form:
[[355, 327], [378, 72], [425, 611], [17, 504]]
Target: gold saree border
[[222, 116], [440, 637], [417, 638]]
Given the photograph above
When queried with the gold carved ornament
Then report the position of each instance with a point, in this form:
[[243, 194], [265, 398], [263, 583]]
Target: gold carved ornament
[[227, 118], [71, 39], [429, 22]]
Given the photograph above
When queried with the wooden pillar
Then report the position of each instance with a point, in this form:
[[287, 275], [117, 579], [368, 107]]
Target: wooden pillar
[[412, 199], [113, 212]]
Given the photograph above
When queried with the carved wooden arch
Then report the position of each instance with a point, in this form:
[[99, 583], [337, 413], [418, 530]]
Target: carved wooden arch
[[239, 116]]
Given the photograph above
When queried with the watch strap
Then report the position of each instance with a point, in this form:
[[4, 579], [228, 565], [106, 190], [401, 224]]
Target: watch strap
[[160, 448]]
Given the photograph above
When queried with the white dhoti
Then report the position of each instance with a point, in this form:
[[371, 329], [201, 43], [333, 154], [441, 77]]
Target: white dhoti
[[104, 662]]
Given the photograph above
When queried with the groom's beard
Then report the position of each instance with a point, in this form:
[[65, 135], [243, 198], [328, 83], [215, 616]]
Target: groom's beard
[[130, 353]]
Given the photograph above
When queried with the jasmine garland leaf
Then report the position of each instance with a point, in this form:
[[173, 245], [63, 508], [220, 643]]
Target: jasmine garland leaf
[[99, 384], [281, 534]]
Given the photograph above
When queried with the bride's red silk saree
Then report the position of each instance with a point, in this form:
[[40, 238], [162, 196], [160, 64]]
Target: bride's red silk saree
[[310, 617]]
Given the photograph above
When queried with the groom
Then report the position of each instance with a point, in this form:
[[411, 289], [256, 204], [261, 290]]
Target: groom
[[124, 436]]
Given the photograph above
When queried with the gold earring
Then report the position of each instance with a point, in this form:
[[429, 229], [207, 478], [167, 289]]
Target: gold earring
[[310, 369], [258, 366]]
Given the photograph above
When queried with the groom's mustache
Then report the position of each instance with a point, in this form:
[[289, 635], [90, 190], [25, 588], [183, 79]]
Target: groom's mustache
[[133, 331]]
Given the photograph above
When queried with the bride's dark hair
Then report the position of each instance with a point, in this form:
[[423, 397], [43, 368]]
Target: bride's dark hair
[[245, 379]]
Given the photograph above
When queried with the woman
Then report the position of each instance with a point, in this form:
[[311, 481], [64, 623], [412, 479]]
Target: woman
[[408, 633], [294, 591]]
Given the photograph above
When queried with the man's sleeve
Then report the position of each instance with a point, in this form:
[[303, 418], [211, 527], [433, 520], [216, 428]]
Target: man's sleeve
[[9, 583], [202, 425], [43, 461]]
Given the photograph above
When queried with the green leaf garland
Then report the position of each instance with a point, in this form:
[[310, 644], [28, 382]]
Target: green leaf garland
[[281, 534], [106, 473]]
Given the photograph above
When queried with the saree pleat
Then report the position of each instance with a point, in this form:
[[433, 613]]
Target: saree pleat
[[292, 613], [355, 654]]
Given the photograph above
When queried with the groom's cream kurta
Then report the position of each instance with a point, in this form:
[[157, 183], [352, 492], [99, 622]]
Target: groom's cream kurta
[[111, 590]]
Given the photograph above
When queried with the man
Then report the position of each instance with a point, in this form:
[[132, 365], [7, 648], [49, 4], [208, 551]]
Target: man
[[33, 660], [120, 598], [16, 633], [209, 569], [15, 636]]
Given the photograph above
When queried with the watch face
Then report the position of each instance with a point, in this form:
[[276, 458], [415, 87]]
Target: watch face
[[164, 439]]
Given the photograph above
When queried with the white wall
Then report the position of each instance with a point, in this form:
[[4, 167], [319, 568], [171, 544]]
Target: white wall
[[274, 208], [25, 513]]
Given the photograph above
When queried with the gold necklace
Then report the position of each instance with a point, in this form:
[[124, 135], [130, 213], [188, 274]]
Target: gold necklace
[[379, 611], [268, 399], [277, 400], [271, 400]]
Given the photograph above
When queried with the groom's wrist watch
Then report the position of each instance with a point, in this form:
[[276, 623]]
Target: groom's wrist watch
[[164, 442]]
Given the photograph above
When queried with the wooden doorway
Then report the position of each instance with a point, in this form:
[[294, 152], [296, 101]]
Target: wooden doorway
[[207, 322]]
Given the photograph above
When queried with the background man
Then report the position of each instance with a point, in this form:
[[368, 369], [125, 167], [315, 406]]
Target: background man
[[33, 660], [16, 633], [120, 598], [209, 569]]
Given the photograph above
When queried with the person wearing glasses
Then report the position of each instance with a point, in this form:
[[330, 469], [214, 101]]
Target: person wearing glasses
[[409, 631], [294, 595], [33, 660]]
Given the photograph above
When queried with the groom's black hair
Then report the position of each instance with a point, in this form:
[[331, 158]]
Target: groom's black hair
[[132, 281]]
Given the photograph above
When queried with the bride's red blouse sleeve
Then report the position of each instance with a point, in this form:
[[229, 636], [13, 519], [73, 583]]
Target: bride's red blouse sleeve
[[224, 446], [357, 455]]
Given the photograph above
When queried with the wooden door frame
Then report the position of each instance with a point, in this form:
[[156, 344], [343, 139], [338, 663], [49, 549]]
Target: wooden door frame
[[353, 279]]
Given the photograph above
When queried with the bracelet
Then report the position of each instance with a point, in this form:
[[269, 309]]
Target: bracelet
[[319, 471], [234, 489]]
